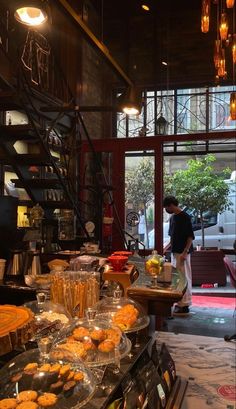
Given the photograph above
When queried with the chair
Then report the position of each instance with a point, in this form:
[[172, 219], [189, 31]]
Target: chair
[[231, 268]]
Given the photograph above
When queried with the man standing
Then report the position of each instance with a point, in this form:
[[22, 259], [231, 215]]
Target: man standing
[[142, 226], [181, 237]]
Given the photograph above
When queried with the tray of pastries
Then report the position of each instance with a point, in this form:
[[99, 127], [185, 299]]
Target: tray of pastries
[[49, 318], [16, 327], [30, 381], [96, 342], [125, 313]]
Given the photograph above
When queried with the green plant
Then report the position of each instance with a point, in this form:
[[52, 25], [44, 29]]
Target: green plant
[[199, 187]]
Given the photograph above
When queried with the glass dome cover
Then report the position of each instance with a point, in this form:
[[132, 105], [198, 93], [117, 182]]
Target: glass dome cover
[[123, 312], [96, 342], [45, 382], [49, 317]]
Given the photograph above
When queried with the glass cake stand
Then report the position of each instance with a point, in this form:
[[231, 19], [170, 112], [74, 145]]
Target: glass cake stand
[[61, 384]]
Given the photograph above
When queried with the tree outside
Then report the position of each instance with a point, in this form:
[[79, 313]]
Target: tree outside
[[140, 186], [199, 187]]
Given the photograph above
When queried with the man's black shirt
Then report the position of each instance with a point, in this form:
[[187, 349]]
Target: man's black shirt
[[180, 229]]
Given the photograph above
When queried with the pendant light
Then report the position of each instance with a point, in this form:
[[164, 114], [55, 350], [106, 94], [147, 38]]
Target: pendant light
[[31, 13], [205, 17], [224, 27], [229, 4], [233, 106], [234, 49], [130, 102], [161, 125]]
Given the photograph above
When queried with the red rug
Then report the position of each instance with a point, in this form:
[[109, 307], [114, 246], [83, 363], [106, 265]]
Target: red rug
[[214, 302]]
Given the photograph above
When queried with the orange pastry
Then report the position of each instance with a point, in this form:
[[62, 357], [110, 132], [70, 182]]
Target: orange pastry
[[8, 403], [80, 332], [114, 335], [79, 376], [30, 366], [47, 399], [27, 396], [106, 346], [98, 334], [89, 345], [27, 405], [44, 368]]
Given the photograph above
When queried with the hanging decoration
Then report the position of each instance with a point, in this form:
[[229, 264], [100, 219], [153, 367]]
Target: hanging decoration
[[225, 40], [35, 58], [233, 106], [205, 18]]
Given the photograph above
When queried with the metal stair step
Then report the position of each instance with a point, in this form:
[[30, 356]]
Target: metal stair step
[[9, 101], [32, 159], [38, 183], [18, 132]]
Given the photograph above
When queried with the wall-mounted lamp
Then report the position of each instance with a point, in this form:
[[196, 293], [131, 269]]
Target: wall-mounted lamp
[[31, 13], [161, 125], [130, 102]]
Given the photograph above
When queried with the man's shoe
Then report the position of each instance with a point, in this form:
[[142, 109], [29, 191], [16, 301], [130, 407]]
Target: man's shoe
[[181, 311]]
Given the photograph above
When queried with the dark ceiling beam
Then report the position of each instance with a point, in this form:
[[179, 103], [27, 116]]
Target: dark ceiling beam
[[95, 42]]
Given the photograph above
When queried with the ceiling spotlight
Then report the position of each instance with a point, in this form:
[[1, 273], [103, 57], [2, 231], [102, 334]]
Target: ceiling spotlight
[[145, 7], [31, 13], [130, 102]]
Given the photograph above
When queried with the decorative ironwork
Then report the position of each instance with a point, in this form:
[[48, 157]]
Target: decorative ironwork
[[187, 111]]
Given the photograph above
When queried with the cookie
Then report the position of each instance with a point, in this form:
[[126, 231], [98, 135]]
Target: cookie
[[27, 396], [79, 376], [70, 376], [27, 405], [55, 368], [9, 403], [30, 366], [65, 370], [15, 378], [68, 388], [44, 368], [56, 387], [47, 399]]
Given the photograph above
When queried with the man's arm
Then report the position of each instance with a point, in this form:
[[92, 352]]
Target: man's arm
[[166, 247], [186, 248]]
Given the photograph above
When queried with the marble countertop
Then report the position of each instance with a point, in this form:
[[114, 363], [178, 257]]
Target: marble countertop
[[209, 365]]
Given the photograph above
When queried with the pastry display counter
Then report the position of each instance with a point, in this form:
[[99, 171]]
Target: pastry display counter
[[110, 386]]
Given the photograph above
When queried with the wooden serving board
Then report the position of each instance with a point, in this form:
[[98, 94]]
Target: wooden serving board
[[16, 327]]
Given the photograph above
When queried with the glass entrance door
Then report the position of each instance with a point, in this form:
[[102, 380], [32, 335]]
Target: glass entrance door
[[139, 199]]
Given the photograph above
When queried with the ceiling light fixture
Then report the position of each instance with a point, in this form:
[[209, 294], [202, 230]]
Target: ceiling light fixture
[[130, 102], [145, 7], [31, 13]]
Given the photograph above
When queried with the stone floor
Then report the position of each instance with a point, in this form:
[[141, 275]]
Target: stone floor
[[213, 322], [208, 365]]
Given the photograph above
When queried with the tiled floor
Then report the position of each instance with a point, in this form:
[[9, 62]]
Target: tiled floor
[[213, 322]]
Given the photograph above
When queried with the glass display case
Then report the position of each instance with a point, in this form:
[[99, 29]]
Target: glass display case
[[96, 341], [49, 318], [31, 380], [123, 312]]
